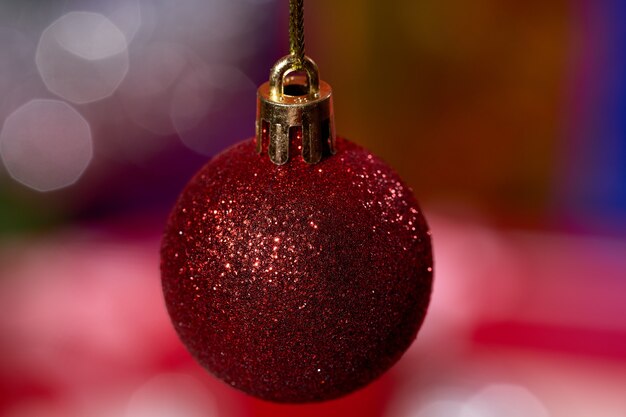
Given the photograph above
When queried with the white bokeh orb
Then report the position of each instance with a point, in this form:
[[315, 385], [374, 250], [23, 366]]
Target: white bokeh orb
[[445, 408], [147, 90], [504, 400], [208, 107], [46, 144], [127, 16], [82, 57], [171, 395], [419, 401], [89, 35]]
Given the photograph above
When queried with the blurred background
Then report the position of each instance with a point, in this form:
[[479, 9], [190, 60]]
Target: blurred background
[[507, 118]]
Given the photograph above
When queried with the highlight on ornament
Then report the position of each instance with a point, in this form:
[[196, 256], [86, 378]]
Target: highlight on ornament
[[296, 266]]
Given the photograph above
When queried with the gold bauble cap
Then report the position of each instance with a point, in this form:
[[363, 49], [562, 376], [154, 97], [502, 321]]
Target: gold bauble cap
[[291, 106]]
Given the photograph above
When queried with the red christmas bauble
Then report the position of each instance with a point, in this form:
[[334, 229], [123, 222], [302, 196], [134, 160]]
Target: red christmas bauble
[[299, 282]]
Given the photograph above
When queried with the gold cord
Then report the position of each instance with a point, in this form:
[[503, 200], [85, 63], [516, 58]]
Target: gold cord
[[296, 31]]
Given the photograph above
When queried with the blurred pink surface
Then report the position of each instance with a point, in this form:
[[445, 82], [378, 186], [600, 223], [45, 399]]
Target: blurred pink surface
[[84, 330]]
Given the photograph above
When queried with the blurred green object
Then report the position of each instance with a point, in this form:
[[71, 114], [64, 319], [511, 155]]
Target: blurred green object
[[23, 211]]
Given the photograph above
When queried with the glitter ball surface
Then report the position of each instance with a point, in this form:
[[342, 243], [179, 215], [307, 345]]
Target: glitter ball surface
[[297, 283]]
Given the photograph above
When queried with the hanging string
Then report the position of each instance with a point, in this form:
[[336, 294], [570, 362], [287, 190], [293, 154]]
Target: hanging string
[[296, 31]]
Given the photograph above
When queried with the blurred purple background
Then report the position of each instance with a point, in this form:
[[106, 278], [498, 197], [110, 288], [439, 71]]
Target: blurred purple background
[[508, 119]]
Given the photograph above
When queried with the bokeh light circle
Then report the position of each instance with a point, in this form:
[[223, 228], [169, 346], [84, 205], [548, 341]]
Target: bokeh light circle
[[89, 35], [46, 144], [445, 408], [82, 57], [209, 108], [127, 16], [171, 395], [504, 400], [146, 91]]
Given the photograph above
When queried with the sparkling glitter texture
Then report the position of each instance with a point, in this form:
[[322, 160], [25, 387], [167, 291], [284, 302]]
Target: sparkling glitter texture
[[299, 282]]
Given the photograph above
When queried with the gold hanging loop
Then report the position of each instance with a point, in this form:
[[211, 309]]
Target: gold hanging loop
[[289, 103], [287, 65]]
